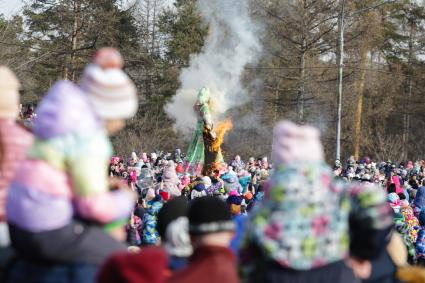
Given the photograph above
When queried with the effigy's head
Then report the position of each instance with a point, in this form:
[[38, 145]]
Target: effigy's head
[[204, 95]]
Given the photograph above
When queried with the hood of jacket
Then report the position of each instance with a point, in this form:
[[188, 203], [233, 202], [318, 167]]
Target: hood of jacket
[[65, 110]]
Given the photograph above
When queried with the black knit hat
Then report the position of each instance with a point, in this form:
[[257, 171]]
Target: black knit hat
[[209, 215], [173, 209], [371, 224]]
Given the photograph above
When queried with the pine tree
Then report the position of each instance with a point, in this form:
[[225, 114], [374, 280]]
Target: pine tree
[[65, 34], [404, 32], [185, 32]]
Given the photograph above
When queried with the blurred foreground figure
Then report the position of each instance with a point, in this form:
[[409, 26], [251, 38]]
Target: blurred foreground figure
[[377, 252], [299, 233], [151, 264], [14, 141], [61, 207], [211, 229]]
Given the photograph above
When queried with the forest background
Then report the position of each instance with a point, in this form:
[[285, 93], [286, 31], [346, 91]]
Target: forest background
[[383, 105]]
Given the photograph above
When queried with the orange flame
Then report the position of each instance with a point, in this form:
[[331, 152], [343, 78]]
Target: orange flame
[[221, 129]]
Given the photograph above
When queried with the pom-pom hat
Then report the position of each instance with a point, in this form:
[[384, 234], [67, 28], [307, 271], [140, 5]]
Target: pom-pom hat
[[111, 92]]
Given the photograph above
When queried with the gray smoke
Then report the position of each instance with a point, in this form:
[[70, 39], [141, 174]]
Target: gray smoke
[[231, 44]]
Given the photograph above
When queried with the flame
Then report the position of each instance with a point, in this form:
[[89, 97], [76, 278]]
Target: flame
[[221, 129]]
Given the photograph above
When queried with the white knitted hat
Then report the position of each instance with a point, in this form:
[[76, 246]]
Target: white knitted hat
[[111, 92], [9, 94]]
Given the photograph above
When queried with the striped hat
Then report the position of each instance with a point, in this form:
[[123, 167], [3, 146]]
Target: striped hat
[[9, 94], [111, 92]]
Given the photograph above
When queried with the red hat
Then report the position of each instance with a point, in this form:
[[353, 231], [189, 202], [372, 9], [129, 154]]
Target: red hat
[[179, 169], [165, 196]]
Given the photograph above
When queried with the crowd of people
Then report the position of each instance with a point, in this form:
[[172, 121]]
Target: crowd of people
[[70, 211]]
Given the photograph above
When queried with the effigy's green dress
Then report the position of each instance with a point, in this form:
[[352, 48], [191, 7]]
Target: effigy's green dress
[[195, 152]]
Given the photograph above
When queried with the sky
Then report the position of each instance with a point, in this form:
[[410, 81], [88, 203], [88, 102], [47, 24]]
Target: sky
[[10, 7]]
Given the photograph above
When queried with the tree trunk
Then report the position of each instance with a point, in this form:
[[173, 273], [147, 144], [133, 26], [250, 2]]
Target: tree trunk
[[359, 111], [75, 34], [406, 118], [301, 90], [276, 107]]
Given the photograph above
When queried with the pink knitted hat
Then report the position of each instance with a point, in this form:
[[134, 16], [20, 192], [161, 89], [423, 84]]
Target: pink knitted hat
[[111, 92], [293, 143]]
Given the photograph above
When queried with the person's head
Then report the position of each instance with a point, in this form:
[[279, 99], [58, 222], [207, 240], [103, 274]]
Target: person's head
[[234, 201], [173, 227], [402, 196], [210, 222], [422, 217], [140, 201], [150, 194], [9, 94], [110, 91], [391, 188], [371, 225], [395, 253]]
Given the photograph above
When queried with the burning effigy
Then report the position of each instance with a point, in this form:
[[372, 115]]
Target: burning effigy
[[204, 153], [216, 71]]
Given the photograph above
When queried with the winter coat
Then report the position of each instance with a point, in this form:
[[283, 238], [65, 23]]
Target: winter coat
[[15, 141], [235, 244], [420, 244], [302, 223], [419, 201], [147, 266], [150, 233], [209, 264]]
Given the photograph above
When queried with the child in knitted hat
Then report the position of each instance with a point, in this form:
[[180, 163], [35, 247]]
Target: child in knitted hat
[[410, 219], [64, 177], [170, 180], [197, 188], [154, 203], [299, 232], [394, 201], [235, 203]]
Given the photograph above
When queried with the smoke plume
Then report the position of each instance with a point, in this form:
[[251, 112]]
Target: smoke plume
[[231, 44]]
